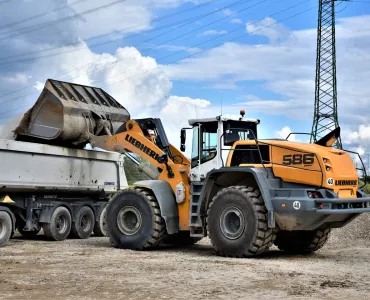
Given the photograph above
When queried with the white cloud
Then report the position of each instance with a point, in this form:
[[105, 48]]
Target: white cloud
[[175, 114], [287, 69], [178, 48], [269, 28], [359, 137], [284, 132], [228, 12], [214, 32], [236, 21]]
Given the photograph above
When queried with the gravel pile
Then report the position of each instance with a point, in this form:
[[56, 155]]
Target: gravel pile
[[356, 232]]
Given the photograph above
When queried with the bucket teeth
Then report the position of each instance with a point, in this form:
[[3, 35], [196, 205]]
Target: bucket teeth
[[66, 113]]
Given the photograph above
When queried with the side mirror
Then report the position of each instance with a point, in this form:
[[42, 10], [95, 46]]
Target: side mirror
[[182, 139]]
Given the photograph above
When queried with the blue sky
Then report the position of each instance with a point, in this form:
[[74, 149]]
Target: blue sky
[[269, 71]]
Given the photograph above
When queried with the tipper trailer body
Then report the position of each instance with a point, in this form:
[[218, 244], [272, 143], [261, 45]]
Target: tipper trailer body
[[61, 190]]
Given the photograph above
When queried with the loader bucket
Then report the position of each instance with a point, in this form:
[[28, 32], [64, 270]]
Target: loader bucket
[[65, 113]]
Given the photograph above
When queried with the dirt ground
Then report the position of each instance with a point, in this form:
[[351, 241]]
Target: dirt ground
[[91, 269]]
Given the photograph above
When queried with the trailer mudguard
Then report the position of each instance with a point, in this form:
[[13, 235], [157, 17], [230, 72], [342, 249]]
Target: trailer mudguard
[[166, 200], [46, 213]]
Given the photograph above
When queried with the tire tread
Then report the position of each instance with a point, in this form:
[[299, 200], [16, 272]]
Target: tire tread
[[264, 236]]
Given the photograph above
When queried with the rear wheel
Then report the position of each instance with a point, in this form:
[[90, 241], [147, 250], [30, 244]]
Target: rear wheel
[[134, 221], [237, 222], [6, 227], [83, 227], [181, 238], [60, 224], [99, 224], [302, 242]]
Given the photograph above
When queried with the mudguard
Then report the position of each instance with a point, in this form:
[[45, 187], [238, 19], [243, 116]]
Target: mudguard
[[263, 182], [166, 200]]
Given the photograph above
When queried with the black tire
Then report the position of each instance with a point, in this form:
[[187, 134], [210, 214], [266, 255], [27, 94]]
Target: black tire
[[6, 228], [27, 234], [99, 230], [181, 238], [83, 226], [237, 222], [302, 242], [134, 221], [60, 224]]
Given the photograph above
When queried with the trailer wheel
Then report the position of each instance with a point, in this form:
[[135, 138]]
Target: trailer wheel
[[60, 224], [83, 227], [302, 242], [134, 221], [99, 229], [181, 238], [6, 227], [237, 222]]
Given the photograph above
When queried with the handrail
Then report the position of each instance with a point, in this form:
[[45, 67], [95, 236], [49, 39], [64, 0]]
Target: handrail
[[363, 169], [298, 133], [246, 130]]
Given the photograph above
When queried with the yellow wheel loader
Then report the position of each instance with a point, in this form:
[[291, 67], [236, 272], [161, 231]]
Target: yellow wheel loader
[[244, 193]]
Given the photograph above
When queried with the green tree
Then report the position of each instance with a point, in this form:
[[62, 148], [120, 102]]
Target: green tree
[[133, 174]]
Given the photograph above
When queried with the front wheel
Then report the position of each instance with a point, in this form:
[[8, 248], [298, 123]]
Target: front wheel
[[302, 242], [133, 220], [237, 222]]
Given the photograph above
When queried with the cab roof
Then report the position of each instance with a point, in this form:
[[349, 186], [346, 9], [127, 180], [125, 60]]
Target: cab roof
[[221, 118]]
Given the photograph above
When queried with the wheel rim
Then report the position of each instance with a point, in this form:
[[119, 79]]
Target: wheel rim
[[2, 229], [61, 224], [129, 220], [85, 223], [232, 222]]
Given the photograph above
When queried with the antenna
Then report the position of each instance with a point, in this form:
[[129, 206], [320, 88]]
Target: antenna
[[196, 111], [221, 107]]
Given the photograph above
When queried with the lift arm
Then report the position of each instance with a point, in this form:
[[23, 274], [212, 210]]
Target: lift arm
[[153, 147]]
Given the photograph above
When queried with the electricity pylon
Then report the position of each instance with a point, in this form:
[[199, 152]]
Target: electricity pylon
[[326, 113]]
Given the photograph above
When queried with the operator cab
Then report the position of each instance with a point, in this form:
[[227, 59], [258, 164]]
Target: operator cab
[[212, 140]]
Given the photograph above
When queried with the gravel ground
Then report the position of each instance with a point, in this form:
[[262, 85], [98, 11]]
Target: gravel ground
[[91, 269]]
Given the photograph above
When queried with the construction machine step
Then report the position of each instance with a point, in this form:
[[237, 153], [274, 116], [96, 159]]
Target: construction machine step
[[195, 223]]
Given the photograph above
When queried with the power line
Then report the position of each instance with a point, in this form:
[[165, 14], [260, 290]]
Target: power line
[[4, 1], [54, 22], [194, 54], [177, 37], [40, 15], [214, 38], [189, 22], [6, 59]]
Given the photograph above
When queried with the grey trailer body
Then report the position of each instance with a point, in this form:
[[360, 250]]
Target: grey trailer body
[[61, 190]]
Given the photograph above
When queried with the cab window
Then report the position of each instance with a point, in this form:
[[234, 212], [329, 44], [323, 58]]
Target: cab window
[[207, 140]]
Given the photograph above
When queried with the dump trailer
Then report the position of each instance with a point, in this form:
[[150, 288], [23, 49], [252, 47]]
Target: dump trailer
[[61, 190], [48, 180]]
